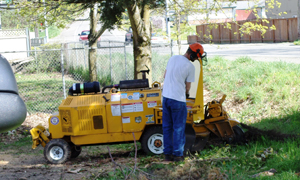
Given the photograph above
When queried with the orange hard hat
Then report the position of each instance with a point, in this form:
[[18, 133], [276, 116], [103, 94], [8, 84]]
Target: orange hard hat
[[198, 49]]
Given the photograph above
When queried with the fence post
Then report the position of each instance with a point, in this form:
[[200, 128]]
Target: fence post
[[171, 47], [84, 57], [69, 62], [125, 61], [62, 71], [76, 55], [27, 41], [35, 56], [110, 62]]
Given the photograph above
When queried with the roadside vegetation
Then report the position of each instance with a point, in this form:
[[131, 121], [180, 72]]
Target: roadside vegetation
[[297, 42], [259, 94], [53, 31]]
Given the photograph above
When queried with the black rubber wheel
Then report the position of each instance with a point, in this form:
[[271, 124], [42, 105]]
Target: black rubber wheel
[[75, 150], [239, 135], [57, 151], [152, 140]]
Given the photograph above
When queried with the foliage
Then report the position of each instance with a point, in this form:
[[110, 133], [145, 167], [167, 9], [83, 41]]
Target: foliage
[[55, 13], [297, 42], [52, 30], [11, 20], [45, 61]]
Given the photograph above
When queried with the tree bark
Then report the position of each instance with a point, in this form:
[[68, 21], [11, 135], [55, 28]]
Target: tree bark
[[140, 24], [93, 47], [36, 30]]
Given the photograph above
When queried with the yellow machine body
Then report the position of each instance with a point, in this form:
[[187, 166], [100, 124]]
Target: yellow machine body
[[112, 117], [90, 119]]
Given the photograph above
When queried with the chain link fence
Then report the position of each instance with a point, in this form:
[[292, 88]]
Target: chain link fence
[[45, 77]]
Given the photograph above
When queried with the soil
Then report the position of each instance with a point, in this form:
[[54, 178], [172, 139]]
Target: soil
[[22, 162]]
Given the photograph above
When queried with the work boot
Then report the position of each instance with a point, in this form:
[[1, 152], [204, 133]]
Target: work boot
[[178, 158], [168, 157]]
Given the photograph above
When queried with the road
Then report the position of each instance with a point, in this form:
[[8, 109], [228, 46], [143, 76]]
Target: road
[[70, 34], [257, 51]]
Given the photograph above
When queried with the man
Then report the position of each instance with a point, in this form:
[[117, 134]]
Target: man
[[179, 74]]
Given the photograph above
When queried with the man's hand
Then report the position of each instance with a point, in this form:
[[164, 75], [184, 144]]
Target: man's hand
[[187, 95]]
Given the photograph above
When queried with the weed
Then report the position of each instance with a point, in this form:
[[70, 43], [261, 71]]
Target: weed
[[297, 42]]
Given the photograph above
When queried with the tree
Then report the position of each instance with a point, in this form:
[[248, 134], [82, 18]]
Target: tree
[[201, 11], [60, 13], [109, 13]]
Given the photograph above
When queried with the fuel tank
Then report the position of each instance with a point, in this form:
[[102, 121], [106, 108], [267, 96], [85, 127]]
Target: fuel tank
[[12, 107]]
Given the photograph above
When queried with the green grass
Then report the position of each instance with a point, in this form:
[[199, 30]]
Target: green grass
[[266, 89], [267, 94], [53, 31], [18, 146], [42, 92], [297, 42]]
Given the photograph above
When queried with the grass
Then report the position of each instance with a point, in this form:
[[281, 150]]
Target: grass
[[266, 89], [53, 31], [268, 96], [297, 42], [42, 92], [18, 146]]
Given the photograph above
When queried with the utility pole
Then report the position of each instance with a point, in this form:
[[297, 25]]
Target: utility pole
[[168, 31], [298, 17], [0, 20]]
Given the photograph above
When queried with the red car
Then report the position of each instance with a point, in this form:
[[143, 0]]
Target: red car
[[83, 37], [128, 36]]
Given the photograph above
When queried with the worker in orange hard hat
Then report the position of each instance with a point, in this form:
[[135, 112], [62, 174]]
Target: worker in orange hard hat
[[179, 75]]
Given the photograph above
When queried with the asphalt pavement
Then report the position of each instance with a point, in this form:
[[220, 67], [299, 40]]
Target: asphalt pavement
[[258, 51]]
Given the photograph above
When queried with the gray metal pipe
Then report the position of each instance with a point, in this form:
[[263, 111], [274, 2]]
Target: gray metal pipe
[[12, 108]]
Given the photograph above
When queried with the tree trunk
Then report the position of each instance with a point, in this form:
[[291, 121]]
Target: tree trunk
[[36, 30], [140, 24], [93, 46]]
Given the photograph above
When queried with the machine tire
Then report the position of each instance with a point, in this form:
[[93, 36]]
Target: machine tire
[[239, 135], [152, 140], [75, 150], [57, 151]]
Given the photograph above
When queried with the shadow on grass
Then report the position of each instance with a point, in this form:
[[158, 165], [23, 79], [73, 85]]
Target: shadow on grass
[[276, 128]]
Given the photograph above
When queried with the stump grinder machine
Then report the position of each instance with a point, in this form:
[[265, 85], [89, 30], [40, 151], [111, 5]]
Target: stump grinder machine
[[124, 112]]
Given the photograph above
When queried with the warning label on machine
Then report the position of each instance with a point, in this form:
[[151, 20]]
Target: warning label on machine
[[152, 104], [115, 109], [125, 120], [123, 95], [136, 96], [138, 107], [126, 108], [115, 97]]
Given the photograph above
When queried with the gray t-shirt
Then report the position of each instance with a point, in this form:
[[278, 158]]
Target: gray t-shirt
[[179, 70]]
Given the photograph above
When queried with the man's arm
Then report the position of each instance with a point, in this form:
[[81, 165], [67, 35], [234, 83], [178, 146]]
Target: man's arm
[[187, 87], [165, 74]]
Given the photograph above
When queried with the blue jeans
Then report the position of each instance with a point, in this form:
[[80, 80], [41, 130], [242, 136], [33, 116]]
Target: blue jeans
[[174, 120]]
